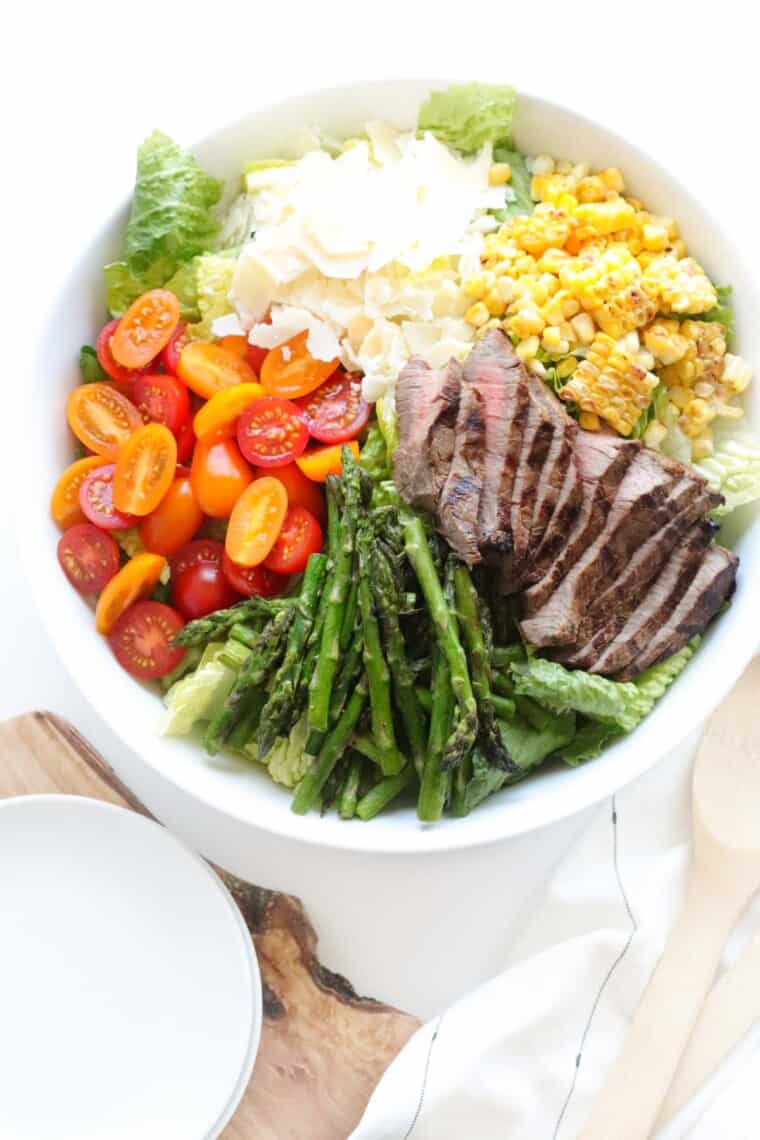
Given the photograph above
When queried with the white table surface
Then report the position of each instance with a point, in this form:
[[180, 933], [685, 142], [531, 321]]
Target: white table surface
[[83, 85]]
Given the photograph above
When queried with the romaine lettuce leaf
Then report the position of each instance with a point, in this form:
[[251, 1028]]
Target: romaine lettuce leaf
[[184, 285], [652, 684], [734, 470], [589, 741], [468, 115], [522, 203], [288, 759], [123, 286], [529, 745], [199, 695], [213, 274], [89, 366], [723, 312]]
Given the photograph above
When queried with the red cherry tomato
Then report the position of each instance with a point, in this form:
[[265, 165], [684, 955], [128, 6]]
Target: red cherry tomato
[[250, 580], [162, 400], [193, 553], [336, 412], [185, 442], [170, 353], [96, 500], [301, 491], [301, 535], [88, 557], [272, 432], [201, 589], [142, 639], [106, 359]]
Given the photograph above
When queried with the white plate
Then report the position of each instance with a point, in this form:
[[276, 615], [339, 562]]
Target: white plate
[[134, 712], [130, 995]]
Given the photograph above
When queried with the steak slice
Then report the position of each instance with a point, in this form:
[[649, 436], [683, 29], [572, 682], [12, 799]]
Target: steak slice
[[713, 583], [560, 524], [602, 464], [662, 597], [555, 468], [632, 519], [427, 402], [536, 442], [459, 501], [689, 500]]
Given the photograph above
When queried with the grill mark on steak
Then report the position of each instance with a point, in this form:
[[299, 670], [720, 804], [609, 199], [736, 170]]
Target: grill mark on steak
[[427, 402], [560, 524], [537, 439], [663, 595], [602, 464], [629, 523], [460, 497], [713, 583]]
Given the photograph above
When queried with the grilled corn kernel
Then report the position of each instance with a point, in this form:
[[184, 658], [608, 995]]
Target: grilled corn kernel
[[553, 342], [542, 164], [589, 421], [526, 323], [477, 314], [612, 179], [655, 237], [665, 341], [610, 384], [655, 434], [606, 217], [527, 349], [699, 412], [494, 302], [499, 173], [679, 396], [583, 327], [736, 373], [679, 285]]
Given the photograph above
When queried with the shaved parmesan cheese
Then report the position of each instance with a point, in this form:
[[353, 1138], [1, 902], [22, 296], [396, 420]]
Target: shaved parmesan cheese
[[364, 250]]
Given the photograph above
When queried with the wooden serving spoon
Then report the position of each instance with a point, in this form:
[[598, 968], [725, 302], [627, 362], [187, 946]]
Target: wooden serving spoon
[[724, 874]]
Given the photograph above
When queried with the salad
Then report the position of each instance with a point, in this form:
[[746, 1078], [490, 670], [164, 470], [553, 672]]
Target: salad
[[399, 463]]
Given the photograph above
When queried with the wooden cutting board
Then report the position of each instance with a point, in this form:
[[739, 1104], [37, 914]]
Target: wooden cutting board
[[323, 1048]]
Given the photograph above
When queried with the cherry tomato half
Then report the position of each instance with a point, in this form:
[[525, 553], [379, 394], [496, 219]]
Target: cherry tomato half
[[146, 328], [236, 344], [174, 521], [142, 639], [96, 500], [185, 443], [106, 359], [132, 583], [256, 521], [336, 412], [145, 469], [101, 418], [89, 558], [162, 400], [64, 504], [171, 351], [208, 368], [202, 589], [219, 475], [300, 536], [290, 370], [271, 432], [319, 462], [193, 553], [250, 580], [302, 492], [224, 407]]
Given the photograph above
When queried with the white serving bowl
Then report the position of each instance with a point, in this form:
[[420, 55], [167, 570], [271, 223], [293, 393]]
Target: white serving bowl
[[134, 712]]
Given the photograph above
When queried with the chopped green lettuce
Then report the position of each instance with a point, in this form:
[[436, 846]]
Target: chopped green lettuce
[[184, 285], [200, 695], [172, 221], [466, 116], [288, 759], [723, 312], [589, 741], [652, 684], [485, 780], [529, 745], [734, 470], [89, 366], [214, 273], [522, 203]]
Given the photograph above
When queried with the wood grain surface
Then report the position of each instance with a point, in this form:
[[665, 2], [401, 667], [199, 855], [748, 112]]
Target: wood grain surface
[[323, 1048]]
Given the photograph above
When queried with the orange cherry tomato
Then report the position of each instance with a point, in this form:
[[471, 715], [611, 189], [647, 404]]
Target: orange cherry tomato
[[219, 475], [223, 409], [134, 581], [64, 504], [319, 462], [145, 467], [301, 491], [208, 368], [291, 371], [147, 326], [174, 521], [256, 521], [101, 418], [236, 344]]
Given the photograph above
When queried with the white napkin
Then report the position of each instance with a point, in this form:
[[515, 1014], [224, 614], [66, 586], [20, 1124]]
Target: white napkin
[[522, 1057]]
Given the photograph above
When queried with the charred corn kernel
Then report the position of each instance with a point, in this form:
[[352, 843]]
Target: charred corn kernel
[[477, 314], [703, 360], [699, 412], [655, 434], [499, 173], [736, 373], [526, 323], [612, 179], [679, 286], [606, 217], [645, 360], [591, 189], [702, 448], [542, 164], [589, 421], [527, 349], [611, 385], [583, 327], [704, 389], [666, 342], [566, 367], [655, 237]]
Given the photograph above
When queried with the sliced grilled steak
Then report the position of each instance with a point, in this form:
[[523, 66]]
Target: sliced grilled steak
[[536, 442], [633, 518], [559, 527], [460, 498], [662, 597], [602, 463], [688, 501], [555, 468], [713, 583], [427, 402]]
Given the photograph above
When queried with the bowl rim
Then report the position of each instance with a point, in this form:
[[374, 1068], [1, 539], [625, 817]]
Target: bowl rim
[[445, 835]]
